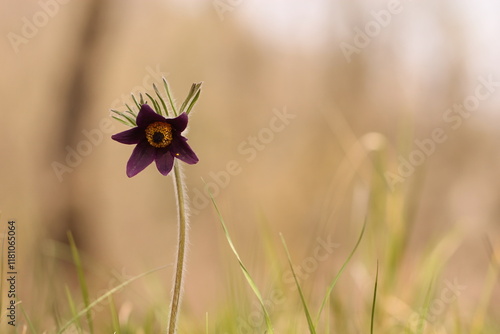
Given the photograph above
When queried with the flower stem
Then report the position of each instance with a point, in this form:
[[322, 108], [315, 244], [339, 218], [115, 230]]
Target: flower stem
[[179, 271]]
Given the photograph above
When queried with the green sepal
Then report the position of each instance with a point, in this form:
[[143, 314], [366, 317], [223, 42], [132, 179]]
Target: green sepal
[[192, 97], [135, 101], [130, 111], [156, 106], [126, 117], [161, 100], [170, 100], [121, 121], [193, 102]]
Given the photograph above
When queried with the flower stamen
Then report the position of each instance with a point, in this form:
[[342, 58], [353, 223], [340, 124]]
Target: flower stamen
[[159, 134]]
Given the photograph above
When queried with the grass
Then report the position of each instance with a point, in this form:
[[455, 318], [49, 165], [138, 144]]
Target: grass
[[310, 324], [372, 320], [358, 289], [83, 283], [244, 270]]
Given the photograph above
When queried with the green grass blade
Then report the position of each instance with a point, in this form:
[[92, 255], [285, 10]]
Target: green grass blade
[[249, 279], [310, 323], [103, 297], [488, 287], [28, 320], [81, 279], [114, 315], [423, 316], [335, 279], [374, 301], [72, 308]]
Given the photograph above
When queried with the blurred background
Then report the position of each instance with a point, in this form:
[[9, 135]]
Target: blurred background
[[331, 111]]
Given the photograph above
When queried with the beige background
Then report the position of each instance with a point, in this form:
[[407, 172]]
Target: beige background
[[306, 181]]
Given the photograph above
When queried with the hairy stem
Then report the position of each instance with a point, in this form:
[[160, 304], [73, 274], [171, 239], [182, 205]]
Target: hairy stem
[[179, 271]]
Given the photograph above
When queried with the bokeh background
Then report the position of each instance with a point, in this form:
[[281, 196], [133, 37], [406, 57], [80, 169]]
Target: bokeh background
[[359, 94]]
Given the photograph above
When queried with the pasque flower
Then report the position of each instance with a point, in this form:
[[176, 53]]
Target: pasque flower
[[158, 139]]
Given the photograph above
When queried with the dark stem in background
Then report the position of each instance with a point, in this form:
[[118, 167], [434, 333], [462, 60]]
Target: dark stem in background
[[74, 106]]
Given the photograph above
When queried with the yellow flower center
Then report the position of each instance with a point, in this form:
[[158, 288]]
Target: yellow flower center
[[159, 134]]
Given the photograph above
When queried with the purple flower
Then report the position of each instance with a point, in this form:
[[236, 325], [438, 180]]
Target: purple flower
[[157, 138]]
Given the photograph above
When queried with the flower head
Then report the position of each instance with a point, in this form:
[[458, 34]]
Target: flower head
[[158, 139]]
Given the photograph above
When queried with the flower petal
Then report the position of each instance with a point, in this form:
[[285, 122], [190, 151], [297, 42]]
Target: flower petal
[[132, 136], [180, 122], [142, 156], [164, 161], [147, 116], [181, 150]]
